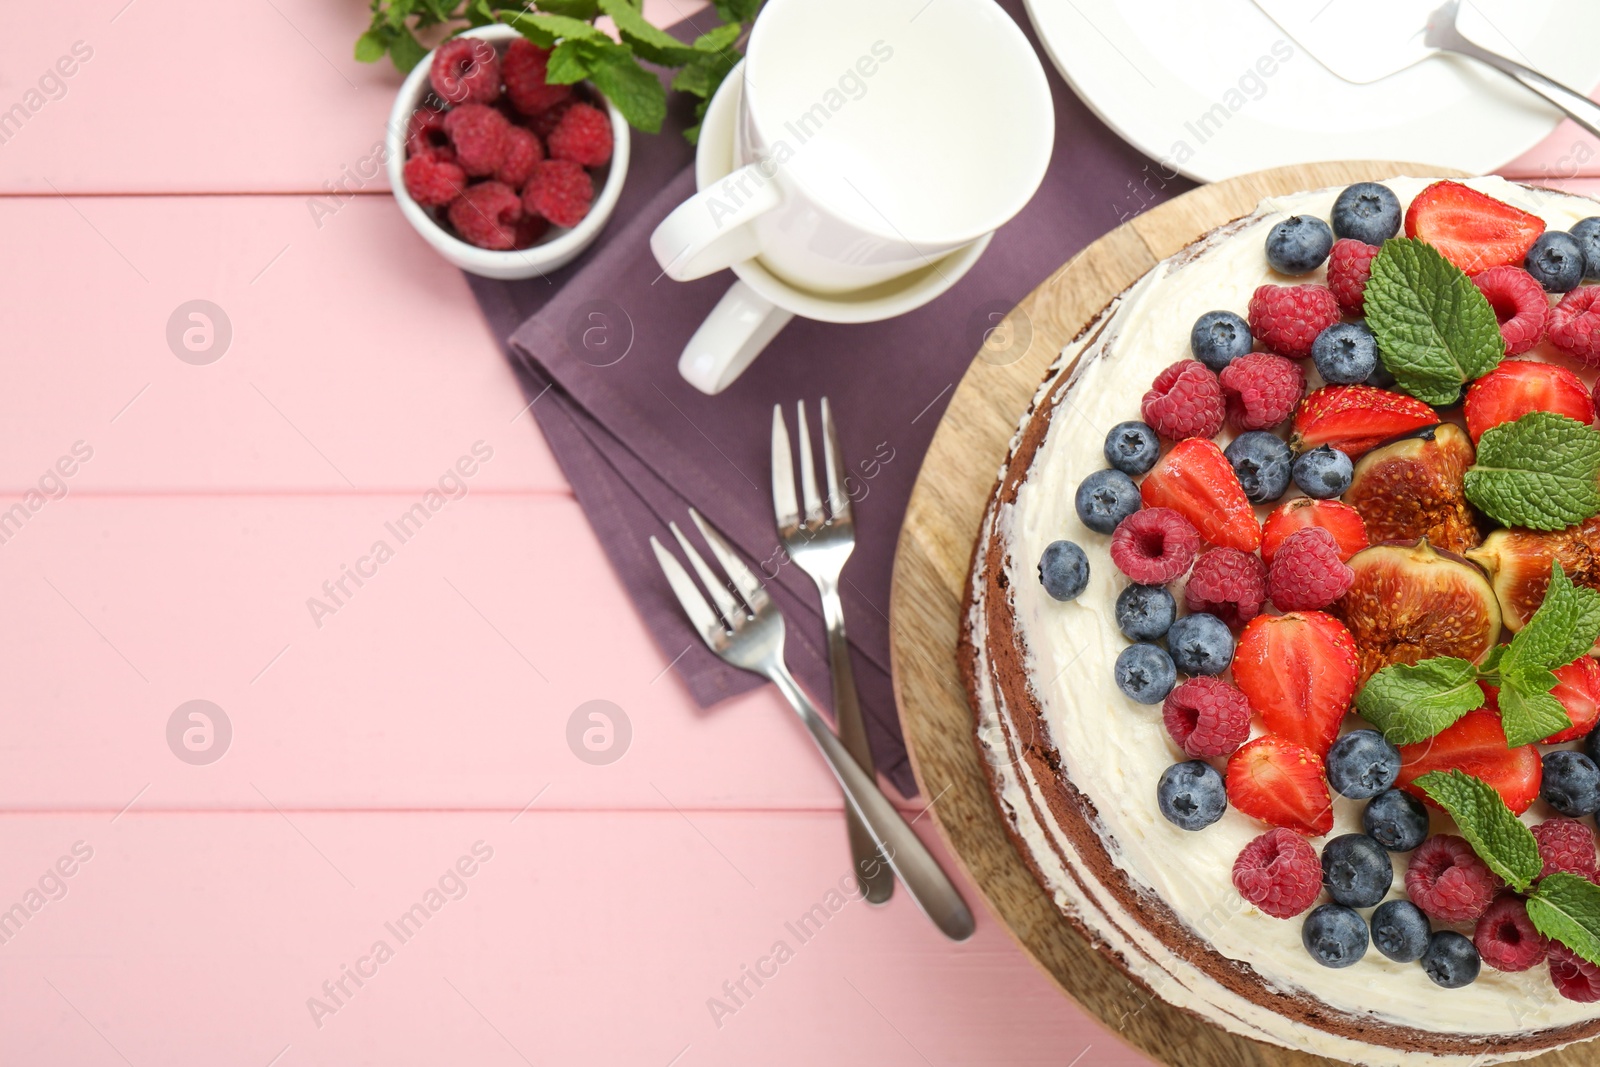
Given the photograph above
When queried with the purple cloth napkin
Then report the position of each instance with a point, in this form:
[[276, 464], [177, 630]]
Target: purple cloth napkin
[[596, 348]]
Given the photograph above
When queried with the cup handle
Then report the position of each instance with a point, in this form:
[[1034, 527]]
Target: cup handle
[[707, 232], [738, 328]]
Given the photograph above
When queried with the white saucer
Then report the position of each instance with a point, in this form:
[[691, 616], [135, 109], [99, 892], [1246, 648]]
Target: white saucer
[[1153, 70], [713, 161]]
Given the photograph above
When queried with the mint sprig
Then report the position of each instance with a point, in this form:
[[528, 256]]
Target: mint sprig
[[1560, 905], [1541, 471], [1496, 835], [1413, 703], [1435, 329]]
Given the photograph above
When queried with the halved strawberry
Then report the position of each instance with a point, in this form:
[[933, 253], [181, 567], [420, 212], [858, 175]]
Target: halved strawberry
[[1518, 386], [1282, 784], [1299, 673], [1337, 517], [1356, 418], [1196, 480], [1471, 229], [1476, 744]]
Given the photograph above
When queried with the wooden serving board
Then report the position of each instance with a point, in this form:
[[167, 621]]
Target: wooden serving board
[[930, 575]]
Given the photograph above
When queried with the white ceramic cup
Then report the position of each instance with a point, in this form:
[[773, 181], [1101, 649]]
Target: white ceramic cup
[[870, 141]]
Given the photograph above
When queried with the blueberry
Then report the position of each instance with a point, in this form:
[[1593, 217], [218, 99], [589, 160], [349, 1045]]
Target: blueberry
[[1345, 353], [1200, 644], [1380, 378], [1298, 244], [1145, 673], [1322, 472], [1105, 498], [1132, 447], [1145, 612], [1362, 764], [1356, 870], [1591, 745], [1063, 570], [1218, 338], [1191, 795], [1451, 960], [1334, 935], [1400, 930], [1587, 233], [1367, 212], [1571, 783], [1261, 462], [1556, 261], [1396, 820]]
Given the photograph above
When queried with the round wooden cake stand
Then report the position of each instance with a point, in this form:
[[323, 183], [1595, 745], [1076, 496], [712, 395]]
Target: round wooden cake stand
[[930, 574]]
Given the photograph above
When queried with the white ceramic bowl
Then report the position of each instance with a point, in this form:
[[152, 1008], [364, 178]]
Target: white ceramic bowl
[[560, 246]]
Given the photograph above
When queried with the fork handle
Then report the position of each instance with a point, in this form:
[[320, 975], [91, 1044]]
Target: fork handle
[[1577, 106], [876, 878], [910, 859]]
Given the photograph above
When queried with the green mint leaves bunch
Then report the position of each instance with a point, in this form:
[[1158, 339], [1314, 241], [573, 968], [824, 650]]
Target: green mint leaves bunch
[[1413, 703], [1561, 906], [581, 50], [1437, 333]]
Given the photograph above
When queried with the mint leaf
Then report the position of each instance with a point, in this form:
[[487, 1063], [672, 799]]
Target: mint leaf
[[1411, 704], [572, 9], [569, 63], [1564, 628], [736, 10], [1435, 329], [370, 47], [1567, 908], [405, 51], [551, 28], [636, 92], [1541, 471], [1497, 836], [1527, 710], [649, 43]]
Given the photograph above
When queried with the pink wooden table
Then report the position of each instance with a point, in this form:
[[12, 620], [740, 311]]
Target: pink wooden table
[[230, 912]]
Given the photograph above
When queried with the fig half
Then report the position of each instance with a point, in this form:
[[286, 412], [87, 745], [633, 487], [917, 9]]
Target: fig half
[[1410, 601], [1518, 562], [1414, 488]]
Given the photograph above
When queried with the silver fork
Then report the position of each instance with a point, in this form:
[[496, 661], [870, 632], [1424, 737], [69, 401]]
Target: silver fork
[[746, 630], [819, 542]]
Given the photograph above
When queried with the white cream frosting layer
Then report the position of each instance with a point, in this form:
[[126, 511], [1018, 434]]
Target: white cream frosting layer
[[1114, 750]]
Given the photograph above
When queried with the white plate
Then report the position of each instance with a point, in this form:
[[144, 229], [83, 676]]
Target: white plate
[[1215, 88]]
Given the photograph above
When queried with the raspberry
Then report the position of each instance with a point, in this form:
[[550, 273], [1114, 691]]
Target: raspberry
[[559, 190], [1306, 572], [524, 71], [1505, 936], [1279, 873], [1185, 400], [1227, 583], [1349, 267], [1575, 977], [1574, 325], [583, 135], [1207, 717], [1261, 390], [1447, 880], [466, 71], [530, 228], [433, 181], [522, 155], [481, 138], [1153, 546], [1566, 845], [1519, 303], [486, 215], [545, 122], [1287, 318], [425, 132]]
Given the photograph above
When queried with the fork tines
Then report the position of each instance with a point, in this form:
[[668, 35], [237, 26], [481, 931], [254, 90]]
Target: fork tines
[[741, 584], [783, 497]]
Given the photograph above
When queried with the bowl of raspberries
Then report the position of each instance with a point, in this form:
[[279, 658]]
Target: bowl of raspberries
[[504, 174]]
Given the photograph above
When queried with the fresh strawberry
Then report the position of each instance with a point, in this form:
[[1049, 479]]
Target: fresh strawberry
[[1471, 229], [1518, 386], [1282, 784], [1299, 672], [1338, 518], [1577, 688], [1196, 480], [1476, 744], [1356, 418]]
